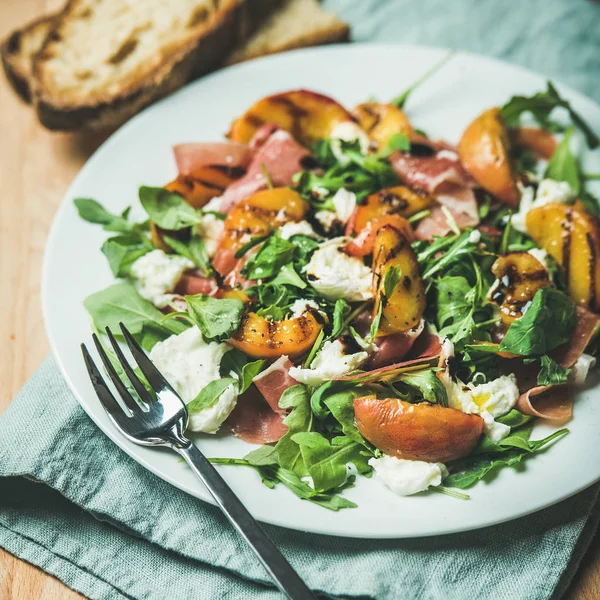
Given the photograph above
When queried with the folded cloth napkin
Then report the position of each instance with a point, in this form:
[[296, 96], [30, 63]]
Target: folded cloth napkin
[[74, 504]]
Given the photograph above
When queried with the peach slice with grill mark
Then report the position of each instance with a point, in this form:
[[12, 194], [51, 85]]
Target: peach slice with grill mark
[[484, 151], [427, 432], [381, 121], [404, 309], [260, 338], [307, 116], [572, 237]]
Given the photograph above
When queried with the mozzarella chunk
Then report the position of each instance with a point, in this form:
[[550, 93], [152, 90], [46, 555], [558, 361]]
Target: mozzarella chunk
[[345, 203], [300, 306], [489, 400], [327, 218], [287, 230], [213, 205], [406, 477], [331, 362], [348, 131], [336, 275], [582, 367], [548, 191], [189, 364], [210, 229], [475, 236], [156, 274]]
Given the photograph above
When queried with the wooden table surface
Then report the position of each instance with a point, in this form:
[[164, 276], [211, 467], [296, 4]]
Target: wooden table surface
[[36, 167]]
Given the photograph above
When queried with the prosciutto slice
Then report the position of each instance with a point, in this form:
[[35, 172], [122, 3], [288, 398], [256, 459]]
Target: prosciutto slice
[[280, 155], [554, 403], [393, 348], [274, 380], [191, 157], [191, 284], [587, 323], [254, 421]]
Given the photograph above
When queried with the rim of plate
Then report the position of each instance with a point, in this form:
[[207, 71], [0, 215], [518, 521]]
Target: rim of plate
[[142, 455]]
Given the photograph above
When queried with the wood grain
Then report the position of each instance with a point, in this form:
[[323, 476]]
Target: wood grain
[[36, 167]]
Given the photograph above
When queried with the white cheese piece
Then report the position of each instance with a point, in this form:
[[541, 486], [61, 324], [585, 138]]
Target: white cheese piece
[[406, 477], [287, 230], [348, 131], [331, 362], [336, 275], [156, 274], [210, 229], [475, 236], [213, 205], [345, 203], [581, 368], [548, 191], [300, 306], [489, 400], [189, 364], [327, 218]]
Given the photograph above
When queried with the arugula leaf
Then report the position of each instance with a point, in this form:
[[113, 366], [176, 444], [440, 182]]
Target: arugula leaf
[[249, 371], [209, 394], [564, 166], [122, 251], [268, 261], [428, 384], [391, 279], [514, 419], [287, 275], [541, 105], [93, 212], [398, 141], [551, 373], [341, 405], [253, 241], [168, 210], [326, 460], [471, 470], [548, 322], [455, 309], [265, 455], [341, 310], [120, 303], [216, 318], [194, 250], [299, 419]]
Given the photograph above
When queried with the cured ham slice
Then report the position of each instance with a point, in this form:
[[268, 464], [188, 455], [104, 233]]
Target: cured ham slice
[[554, 403], [280, 155], [191, 284], [191, 157], [253, 420], [274, 380], [587, 323], [393, 348]]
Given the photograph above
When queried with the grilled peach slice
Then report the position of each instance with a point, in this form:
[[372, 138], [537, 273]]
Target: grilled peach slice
[[572, 237], [484, 152], [381, 121], [364, 242], [259, 338], [542, 143], [404, 309], [206, 183], [423, 431], [308, 116], [260, 214], [520, 275]]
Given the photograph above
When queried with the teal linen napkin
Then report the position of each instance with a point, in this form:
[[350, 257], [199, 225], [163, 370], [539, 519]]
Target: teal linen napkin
[[74, 504]]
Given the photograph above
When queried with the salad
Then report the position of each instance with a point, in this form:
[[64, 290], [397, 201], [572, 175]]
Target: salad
[[359, 299]]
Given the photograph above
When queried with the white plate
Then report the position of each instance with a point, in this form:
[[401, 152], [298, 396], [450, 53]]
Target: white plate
[[140, 153]]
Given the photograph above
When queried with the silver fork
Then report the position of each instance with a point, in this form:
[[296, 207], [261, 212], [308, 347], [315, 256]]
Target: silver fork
[[161, 422]]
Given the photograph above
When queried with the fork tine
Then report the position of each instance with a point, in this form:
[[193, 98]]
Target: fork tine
[[142, 392], [152, 374], [108, 401], [127, 398]]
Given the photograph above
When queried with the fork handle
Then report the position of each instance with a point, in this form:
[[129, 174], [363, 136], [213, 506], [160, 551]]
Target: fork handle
[[282, 573]]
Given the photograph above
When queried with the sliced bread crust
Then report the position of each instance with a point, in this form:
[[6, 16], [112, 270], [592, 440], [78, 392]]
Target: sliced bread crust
[[17, 52], [229, 24]]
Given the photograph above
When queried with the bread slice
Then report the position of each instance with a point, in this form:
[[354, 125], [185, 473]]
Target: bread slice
[[103, 61], [297, 24], [18, 50]]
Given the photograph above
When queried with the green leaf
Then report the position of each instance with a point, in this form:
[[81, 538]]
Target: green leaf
[[288, 276], [341, 310], [194, 250], [564, 166], [341, 405], [551, 373], [298, 420], [375, 322], [122, 251], [209, 394], [454, 308], [265, 455], [327, 461], [548, 322], [120, 303], [93, 212], [398, 141], [391, 280], [275, 253], [216, 318], [253, 241], [168, 210], [249, 371], [428, 384], [514, 419]]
